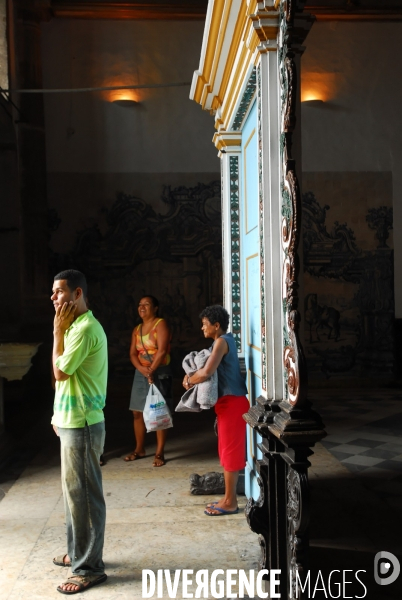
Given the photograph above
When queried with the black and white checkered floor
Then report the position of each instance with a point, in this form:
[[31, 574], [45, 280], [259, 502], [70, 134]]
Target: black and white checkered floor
[[364, 429]]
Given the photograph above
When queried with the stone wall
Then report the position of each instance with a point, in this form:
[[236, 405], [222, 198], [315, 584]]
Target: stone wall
[[128, 250], [134, 193], [352, 67], [348, 276]]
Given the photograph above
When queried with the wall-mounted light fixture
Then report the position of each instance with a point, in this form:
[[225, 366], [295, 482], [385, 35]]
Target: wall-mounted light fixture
[[313, 102], [126, 102], [125, 98]]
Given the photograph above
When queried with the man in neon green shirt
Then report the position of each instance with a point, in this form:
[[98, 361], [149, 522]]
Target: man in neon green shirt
[[80, 370]]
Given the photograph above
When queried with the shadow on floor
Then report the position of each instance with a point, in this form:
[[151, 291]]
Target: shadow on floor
[[350, 524]]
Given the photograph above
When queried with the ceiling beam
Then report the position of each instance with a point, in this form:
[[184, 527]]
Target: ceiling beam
[[355, 10], [324, 10], [159, 9], [330, 14]]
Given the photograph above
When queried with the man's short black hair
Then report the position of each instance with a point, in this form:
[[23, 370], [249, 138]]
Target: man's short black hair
[[216, 314], [74, 280]]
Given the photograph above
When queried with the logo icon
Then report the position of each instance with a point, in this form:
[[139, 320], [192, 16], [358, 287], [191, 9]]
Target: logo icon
[[386, 568]]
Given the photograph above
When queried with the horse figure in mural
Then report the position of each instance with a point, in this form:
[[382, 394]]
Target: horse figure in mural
[[321, 317]]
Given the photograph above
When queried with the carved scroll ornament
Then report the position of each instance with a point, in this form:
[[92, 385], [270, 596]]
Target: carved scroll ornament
[[298, 517], [293, 357]]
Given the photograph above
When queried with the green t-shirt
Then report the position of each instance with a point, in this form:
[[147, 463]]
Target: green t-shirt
[[81, 398]]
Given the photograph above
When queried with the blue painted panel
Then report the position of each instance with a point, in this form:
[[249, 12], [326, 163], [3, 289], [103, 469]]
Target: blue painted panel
[[251, 282], [250, 160], [253, 302]]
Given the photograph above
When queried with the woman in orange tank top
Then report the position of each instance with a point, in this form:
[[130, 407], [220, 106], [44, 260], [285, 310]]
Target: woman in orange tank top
[[150, 355]]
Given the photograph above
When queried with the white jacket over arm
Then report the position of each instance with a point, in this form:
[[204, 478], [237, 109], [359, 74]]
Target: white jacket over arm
[[202, 395]]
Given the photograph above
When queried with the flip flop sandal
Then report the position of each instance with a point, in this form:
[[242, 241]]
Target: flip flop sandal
[[161, 458], [83, 582], [133, 456], [60, 562], [221, 511]]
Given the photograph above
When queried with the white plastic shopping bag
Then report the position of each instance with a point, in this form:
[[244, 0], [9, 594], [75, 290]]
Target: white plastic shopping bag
[[156, 412]]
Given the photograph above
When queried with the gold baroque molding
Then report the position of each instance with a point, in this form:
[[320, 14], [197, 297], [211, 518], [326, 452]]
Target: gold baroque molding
[[266, 22], [249, 29], [227, 140], [204, 76]]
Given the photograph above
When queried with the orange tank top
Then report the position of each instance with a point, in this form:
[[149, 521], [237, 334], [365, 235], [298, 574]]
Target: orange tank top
[[149, 345]]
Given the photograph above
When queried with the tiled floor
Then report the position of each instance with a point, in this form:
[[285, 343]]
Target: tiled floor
[[364, 429], [356, 502]]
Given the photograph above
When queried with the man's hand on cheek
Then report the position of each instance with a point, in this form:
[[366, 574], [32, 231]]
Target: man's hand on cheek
[[64, 317]]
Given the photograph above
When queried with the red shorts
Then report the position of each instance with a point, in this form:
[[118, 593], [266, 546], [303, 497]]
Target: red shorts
[[232, 431]]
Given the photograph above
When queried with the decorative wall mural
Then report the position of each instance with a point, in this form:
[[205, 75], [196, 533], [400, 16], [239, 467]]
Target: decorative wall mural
[[348, 280], [133, 251]]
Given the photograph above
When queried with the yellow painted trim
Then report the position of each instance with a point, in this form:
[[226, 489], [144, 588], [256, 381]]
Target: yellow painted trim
[[235, 90], [216, 37], [246, 56], [227, 139], [234, 46], [229, 91], [205, 78], [221, 143], [232, 18], [217, 102]]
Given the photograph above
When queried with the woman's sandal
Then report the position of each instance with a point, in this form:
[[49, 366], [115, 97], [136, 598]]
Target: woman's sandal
[[133, 456], [159, 460]]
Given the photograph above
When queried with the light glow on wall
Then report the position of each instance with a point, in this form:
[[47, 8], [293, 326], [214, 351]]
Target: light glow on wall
[[319, 86], [115, 95], [118, 95]]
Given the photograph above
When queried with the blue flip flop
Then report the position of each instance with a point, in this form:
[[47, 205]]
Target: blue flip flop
[[221, 511]]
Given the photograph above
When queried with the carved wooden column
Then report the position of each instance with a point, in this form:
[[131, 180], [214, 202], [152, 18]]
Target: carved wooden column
[[283, 416]]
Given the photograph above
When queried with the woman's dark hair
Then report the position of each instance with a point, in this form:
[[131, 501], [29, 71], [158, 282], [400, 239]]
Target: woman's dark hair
[[74, 280], [216, 314], [155, 301]]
